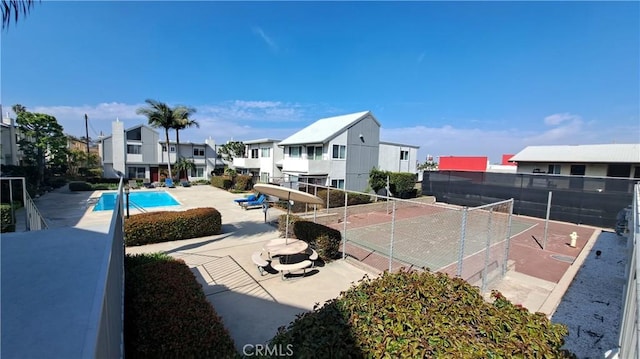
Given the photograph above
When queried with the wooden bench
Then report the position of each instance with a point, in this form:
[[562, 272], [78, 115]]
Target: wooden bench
[[261, 263], [291, 267]]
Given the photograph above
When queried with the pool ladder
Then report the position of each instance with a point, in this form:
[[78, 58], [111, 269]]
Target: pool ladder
[[136, 206]]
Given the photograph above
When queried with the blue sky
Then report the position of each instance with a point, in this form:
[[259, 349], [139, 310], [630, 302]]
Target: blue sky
[[455, 78]]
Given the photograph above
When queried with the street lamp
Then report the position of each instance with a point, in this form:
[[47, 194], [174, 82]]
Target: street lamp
[[126, 192]]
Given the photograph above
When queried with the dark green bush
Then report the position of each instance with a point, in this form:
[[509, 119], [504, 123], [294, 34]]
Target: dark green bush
[[80, 186], [336, 198], [103, 180], [402, 184], [242, 182], [5, 219], [421, 315], [223, 182], [164, 226], [167, 314], [325, 240]]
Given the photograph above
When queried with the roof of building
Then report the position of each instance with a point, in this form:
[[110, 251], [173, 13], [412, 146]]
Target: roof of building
[[398, 144], [325, 129], [607, 153], [260, 140], [132, 128]]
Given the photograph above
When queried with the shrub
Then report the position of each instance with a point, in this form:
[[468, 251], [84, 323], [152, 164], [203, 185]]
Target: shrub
[[243, 182], [103, 180], [336, 198], [282, 223], [167, 314], [422, 315], [80, 186], [402, 184], [325, 240], [164, 226], [221, 182], [5, 219]]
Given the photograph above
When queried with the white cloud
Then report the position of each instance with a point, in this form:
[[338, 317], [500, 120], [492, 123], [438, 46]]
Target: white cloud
[[558, 118], [272, 44]]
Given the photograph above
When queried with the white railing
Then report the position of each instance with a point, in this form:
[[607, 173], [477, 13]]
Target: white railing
[[106, 340], [629, 346], [33, 219]]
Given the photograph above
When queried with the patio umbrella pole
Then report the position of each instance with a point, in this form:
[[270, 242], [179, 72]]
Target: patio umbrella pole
[[286, 231]]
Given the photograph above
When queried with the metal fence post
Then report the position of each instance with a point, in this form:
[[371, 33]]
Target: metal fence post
[[344, 226], [508, 239], [485, 270], [463, 230], [546, 222], [393, 226]]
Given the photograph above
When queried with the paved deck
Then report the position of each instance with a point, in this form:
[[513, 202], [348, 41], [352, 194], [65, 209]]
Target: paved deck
[[252, 306]]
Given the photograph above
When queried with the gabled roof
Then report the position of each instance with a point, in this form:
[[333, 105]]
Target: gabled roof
[[325, 129], [398, 144], [261, 140], [608, 153], [132, 128]]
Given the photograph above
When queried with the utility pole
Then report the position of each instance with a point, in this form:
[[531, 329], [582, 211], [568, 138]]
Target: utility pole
[[86, 129]]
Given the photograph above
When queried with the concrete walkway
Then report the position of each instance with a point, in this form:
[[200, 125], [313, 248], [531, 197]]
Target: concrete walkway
[[252, 306]]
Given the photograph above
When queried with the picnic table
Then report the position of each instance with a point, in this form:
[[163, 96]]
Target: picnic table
[[285, 246]]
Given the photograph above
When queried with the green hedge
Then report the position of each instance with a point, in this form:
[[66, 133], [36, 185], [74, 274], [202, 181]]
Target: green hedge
[[5, 219], [421, 315], [325, 240], [282, 222], [336, 198], [80, 186], [242, 182], [223, 182], [164, 226], [167, 314], [402, 184]]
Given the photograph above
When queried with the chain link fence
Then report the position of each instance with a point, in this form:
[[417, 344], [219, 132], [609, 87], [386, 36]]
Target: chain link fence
[[389, 233]]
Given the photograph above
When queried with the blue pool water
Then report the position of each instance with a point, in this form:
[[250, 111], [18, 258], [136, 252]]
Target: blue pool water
[[143, 199]]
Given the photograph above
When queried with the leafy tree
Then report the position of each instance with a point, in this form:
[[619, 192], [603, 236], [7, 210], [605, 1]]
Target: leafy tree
[[15, 8], [428, 166], [378, 179], [231, 150], [182, 121], [77, 158], [159, 114], [42, 141], [185, 165]]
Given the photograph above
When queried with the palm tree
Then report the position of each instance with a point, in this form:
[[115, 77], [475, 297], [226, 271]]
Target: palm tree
[[15, 7], [185, 165], [182, 121], [159, 115]]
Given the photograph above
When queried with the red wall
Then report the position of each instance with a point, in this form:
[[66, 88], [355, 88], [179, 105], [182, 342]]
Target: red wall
[[455, 163], [505, 160]]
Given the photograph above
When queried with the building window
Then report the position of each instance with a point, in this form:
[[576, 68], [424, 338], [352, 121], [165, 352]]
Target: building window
[[136, 172], [578, 170], [314, 152], [197, 172], [295, 152], [337, 183], [254, 153], [198, 152], [135, 134], [404, 155], [172, 148], [554, 169], [339, 151], [264, 177], [265, 152], [134, 149]]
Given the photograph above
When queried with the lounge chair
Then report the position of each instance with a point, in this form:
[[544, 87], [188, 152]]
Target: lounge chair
[[133, 184], [147, 183], [168, 182], [254, 204], [240, 201], [185, 184]]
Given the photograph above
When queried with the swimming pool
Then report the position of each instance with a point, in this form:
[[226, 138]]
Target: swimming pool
[[144, 199]]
